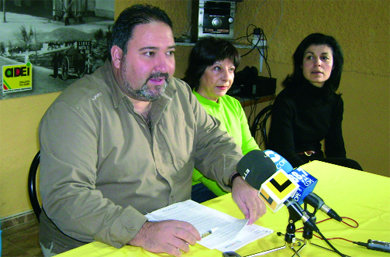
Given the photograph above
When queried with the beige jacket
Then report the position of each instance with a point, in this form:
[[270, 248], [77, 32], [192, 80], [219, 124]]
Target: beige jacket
[[103, 167]]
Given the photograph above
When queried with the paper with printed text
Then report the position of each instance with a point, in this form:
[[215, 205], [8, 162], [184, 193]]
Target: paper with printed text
[[228, 233]]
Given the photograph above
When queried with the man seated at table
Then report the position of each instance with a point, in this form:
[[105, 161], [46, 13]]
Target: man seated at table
[[123, 142]]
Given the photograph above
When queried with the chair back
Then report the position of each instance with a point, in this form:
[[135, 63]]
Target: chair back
[[260, 125], [32, 185]]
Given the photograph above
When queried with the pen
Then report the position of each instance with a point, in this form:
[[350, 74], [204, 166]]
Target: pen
[[208, 232]]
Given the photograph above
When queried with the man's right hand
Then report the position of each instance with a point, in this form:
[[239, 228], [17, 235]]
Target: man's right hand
[[170, 236]]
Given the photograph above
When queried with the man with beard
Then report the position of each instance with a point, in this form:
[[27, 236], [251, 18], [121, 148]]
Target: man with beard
[[123, 142]]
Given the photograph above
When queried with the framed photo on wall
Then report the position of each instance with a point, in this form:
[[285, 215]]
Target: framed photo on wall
[[61, 40]]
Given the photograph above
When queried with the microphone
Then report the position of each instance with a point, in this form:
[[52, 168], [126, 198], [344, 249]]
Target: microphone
[[259, 171], [317, 202], [276, 189], [306, 184], [280, 162], [255, 167], [296, 212], [305, 181]]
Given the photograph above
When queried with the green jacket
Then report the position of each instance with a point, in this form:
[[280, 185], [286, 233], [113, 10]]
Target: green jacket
[[230, 113]]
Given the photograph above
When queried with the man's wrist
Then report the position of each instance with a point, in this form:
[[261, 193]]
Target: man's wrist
[[139, 238], [234, 176]]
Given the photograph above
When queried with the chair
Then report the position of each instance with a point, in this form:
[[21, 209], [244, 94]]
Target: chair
[[260, 124], [32, 185]]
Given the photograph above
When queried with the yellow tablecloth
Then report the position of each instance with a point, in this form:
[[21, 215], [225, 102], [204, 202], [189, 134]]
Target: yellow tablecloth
[[362, 196]]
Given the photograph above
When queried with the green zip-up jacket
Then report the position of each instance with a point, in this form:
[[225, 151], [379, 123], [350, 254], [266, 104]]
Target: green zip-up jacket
[[230, 113]]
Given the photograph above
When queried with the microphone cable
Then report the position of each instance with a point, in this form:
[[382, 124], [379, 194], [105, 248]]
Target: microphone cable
[[353, 224], [334, 248], [322, 237], [371, 244]]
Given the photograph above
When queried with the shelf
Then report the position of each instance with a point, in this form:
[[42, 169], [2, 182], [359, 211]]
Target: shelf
[[253, 101], [240, 46]]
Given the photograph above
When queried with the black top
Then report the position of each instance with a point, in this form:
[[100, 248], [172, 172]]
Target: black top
[[301, 118]]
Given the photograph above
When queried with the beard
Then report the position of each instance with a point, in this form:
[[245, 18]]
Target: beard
[[146, 93]]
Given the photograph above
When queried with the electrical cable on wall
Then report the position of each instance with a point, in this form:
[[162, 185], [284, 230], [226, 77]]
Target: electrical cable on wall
[[256, 37]]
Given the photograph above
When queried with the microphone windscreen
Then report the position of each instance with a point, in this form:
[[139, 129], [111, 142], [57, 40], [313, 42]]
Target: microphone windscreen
[[280, 162], [255, 168], [305, 181]]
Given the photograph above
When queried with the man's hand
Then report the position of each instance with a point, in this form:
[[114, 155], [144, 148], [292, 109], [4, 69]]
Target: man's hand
[[247, 200], [170, 236]]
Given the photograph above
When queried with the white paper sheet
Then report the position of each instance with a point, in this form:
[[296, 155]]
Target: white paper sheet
[[229, 233]]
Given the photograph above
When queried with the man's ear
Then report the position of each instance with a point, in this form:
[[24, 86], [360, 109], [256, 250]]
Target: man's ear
[[116, 56]]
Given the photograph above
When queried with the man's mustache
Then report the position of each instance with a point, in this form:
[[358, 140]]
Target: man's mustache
[[159, 75]]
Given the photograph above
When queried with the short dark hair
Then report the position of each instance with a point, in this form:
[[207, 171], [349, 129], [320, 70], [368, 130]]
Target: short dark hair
[[297, 77], [205, 53], [129, 18]]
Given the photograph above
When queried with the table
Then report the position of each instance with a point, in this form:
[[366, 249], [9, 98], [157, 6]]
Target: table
[[362, 196]]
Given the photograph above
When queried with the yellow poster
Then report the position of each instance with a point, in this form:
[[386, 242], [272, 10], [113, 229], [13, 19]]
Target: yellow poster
[[17, 78]]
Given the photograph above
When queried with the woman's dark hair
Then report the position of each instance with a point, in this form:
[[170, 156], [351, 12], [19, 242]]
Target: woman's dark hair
[[129, 18], [297, 78], [205, 53]]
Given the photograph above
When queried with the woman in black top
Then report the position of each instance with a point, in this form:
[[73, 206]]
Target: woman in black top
[[308, 110]]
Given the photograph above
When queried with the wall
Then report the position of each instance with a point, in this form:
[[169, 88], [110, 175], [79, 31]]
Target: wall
[[366, 77], [361, 27], [19, 119]]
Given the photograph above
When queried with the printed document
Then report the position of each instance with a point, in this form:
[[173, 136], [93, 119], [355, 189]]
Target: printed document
[[219, 230]]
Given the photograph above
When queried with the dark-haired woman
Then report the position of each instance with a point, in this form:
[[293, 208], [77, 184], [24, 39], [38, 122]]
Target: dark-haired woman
[[308, 111], [210, 73]]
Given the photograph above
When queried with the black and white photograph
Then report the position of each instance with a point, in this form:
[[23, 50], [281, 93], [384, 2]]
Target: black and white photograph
[[62, 39]]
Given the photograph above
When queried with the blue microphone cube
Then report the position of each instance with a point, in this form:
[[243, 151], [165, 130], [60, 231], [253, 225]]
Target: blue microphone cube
[[280, 162], [305, 181]]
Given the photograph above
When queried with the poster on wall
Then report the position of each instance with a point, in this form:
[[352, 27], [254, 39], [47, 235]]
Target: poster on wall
[[59, 41], [16, 78]]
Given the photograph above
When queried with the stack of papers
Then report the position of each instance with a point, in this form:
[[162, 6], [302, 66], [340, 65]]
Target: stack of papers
[[219, 230]]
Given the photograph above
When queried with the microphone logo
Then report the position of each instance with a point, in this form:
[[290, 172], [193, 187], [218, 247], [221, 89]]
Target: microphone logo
[[274, 156], [277, 189], [246, 172], [305, 181], [280, 162]]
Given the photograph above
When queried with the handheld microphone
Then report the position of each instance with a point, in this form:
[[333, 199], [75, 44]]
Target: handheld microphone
[[259, 171], [296, 212], [306, 183], [276, 187], [317, 202], [280, 162], [255, 167]]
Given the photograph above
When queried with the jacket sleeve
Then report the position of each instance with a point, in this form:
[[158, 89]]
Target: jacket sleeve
[[216, 154], [334, 142], [210, 184], [281, 133], [242, 133], [248, 141], [68, 176]]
